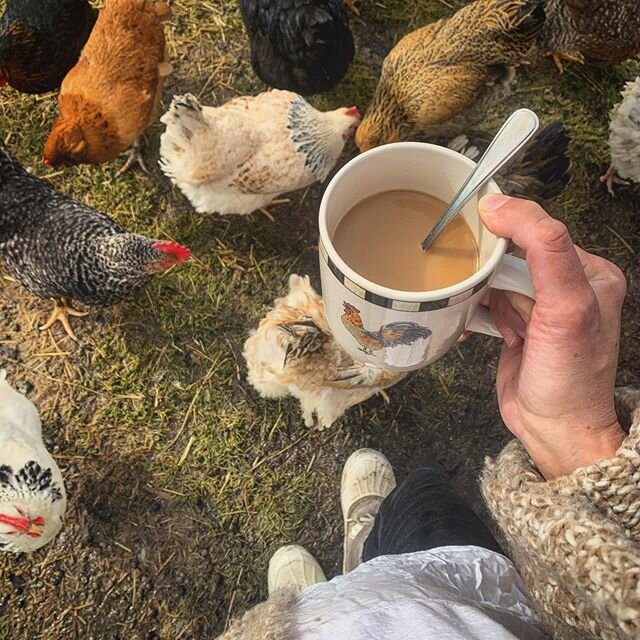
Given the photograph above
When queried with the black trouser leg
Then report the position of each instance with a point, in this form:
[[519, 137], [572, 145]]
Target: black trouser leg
[[424, 512]]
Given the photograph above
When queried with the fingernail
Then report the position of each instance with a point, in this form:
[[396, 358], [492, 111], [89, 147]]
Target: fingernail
[[493, 202]]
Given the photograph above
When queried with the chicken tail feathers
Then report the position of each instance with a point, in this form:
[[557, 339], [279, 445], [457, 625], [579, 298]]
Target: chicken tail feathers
[[9, 166], [186, 129], [544, 169], [540, 173], [184, 115], [397, 333]]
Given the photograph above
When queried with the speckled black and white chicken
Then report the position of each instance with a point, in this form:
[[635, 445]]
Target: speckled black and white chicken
[[624, 138], [292, 352], [32, 494], [241, 156], [539, 173], [601, 31], [60, 248], [440, 72], [304, 46]]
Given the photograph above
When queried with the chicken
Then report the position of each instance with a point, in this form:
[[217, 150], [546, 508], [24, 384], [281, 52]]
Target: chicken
[[605, 32], [59, 248], [32, 59], [113, 94], [293, 352], [32, 494], [389, 335], [300, 45], [239, 157], [539, 173], [624, 138], [440, 70]]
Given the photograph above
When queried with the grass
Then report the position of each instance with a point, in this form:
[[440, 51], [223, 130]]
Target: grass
[[182, 481]]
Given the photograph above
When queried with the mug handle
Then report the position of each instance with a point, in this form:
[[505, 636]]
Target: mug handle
[[512, 275]]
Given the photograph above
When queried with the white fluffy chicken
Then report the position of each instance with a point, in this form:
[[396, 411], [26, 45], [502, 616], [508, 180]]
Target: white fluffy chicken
[[241, 156], [293, 352], [32, 494], [624, 138]]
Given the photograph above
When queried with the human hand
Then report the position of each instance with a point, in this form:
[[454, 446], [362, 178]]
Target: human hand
[[558, 365]]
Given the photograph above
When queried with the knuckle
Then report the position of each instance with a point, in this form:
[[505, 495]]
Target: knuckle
[[584, 313], [553, 234], [579, 314], [617, 280]]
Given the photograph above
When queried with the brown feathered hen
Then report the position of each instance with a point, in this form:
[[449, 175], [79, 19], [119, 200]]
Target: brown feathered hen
[[598, 31], [292, 352], [438, 71], [113, 93]]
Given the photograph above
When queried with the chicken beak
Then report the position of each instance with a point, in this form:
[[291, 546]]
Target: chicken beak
[[36, 527]]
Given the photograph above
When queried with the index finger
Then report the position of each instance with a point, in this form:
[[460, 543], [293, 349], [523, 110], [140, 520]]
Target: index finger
[[556, 269]]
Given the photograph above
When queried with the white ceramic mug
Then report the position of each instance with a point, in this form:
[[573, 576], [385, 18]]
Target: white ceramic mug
[[424, 325]]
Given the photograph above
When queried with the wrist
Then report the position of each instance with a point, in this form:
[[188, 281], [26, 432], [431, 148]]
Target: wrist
[[567, 450]]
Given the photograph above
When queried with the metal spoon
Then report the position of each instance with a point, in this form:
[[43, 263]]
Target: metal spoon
[[514, 134]]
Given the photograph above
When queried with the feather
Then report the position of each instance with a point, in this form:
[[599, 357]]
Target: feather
[[292, 352], [624, 133], [241, 156], [539, 173], [32, 494]]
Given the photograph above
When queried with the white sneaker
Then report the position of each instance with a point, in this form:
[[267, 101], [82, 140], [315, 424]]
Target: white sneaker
[[367, 479], [293, 566]]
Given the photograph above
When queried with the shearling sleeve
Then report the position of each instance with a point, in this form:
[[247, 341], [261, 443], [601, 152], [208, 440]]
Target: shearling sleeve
[[269, 620], [576, 539]]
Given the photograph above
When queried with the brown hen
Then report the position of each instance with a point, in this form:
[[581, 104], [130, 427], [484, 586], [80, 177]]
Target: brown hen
[[438, 71], [113, 93]]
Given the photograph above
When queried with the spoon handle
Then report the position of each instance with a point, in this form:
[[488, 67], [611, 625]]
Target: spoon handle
[[513, 135]]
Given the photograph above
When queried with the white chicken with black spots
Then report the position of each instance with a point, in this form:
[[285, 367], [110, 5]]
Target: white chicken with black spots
[[241, 156], [32, 495]]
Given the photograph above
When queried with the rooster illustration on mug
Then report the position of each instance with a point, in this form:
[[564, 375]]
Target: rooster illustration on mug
[[389, 335]]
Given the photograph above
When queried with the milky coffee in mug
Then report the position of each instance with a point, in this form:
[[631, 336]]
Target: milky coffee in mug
[[387, 322], [377, 238]]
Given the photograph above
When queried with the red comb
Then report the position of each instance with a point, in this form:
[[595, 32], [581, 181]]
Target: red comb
[[47, 163], [174, 249], [353, 111]]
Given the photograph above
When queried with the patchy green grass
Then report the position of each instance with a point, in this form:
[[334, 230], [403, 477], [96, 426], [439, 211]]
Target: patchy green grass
[[181, 480]]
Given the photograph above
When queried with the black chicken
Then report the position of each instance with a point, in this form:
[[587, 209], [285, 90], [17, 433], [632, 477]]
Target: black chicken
[[59, 248], [540, 172], [41, 40], [299, 45]]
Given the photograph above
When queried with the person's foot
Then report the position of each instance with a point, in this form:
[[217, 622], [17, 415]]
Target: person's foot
[[293, 566], [367, 479]]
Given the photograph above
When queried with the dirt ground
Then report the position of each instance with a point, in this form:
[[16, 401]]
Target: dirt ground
[[181, 480]]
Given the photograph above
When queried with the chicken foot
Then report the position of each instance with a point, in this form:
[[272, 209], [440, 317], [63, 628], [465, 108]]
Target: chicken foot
[[61, 312], [354, 5], [610, 178], [134, 156], [558, 57]]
